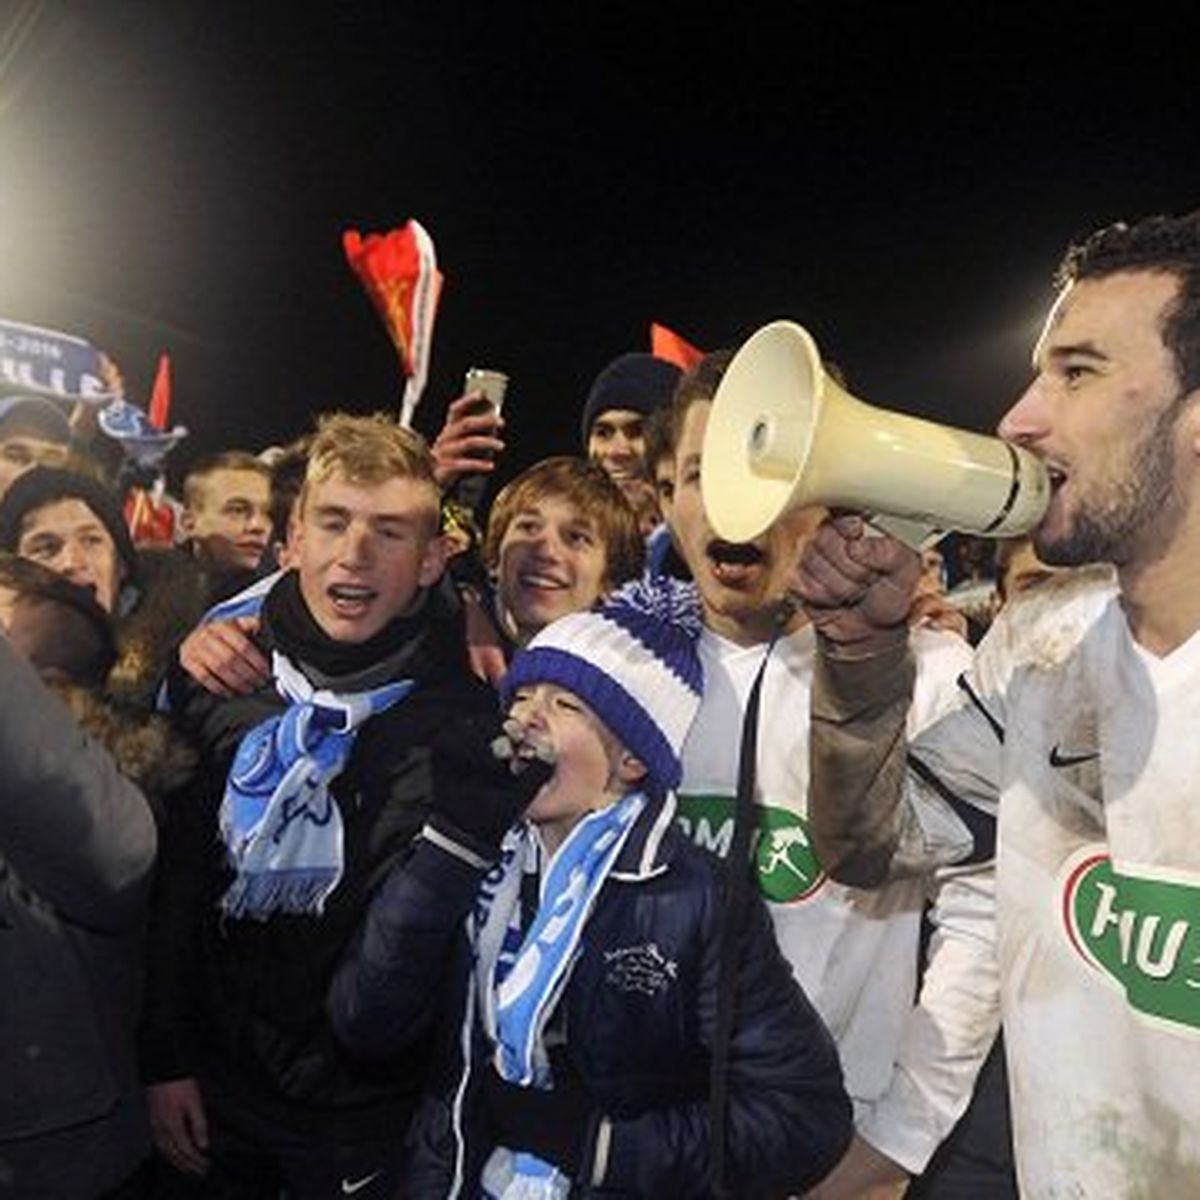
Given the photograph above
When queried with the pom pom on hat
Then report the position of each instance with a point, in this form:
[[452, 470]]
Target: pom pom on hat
[[633, 662]]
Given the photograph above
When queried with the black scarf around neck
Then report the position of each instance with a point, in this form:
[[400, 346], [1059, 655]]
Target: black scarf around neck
[[294, 630]]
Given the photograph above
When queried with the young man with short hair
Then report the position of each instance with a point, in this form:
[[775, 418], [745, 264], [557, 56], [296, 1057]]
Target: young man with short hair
[[312, 788], [560, 537], [909, 1070], [226, 517], [1077, 724]]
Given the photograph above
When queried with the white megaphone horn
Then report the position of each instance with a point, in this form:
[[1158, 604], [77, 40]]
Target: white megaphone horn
[[782, 434]]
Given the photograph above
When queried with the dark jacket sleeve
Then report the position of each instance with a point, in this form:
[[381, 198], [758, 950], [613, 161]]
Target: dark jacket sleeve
[[217, 724], [789, 1117], [172, 1025], [76, 832], [387, 993]]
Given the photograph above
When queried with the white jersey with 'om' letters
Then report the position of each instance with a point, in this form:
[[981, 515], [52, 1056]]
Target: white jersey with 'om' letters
[[909, 1071]]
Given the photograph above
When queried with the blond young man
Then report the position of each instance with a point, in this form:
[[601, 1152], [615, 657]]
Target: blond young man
[[311, 788]]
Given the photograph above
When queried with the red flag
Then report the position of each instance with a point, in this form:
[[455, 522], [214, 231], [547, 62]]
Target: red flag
[[399, 271], [160, 397], [150, 517], [666, 343]]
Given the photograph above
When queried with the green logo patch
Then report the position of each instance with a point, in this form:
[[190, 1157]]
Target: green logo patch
[[788, 869], [1143, 933]]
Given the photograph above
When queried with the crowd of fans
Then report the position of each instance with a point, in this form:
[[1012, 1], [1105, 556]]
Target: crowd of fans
[[360, 843]]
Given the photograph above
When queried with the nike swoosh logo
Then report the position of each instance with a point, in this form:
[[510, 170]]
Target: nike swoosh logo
[[350, 1186], [1059, 758]]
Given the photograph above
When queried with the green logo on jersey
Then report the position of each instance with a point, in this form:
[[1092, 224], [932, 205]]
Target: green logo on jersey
[[788, 869], [1143, 933]]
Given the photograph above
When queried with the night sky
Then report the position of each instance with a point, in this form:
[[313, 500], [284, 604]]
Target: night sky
[[899, 178]]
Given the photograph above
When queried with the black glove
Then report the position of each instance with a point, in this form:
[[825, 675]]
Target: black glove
[[551, 1124], [484, 776]]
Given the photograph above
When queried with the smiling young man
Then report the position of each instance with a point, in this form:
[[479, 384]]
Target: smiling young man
[[312, 788], [909, 1069], [1078, 725], [560, 537], [618, 404]]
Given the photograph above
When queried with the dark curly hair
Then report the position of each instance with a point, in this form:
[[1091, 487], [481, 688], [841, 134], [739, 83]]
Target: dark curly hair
[[1163, 244]]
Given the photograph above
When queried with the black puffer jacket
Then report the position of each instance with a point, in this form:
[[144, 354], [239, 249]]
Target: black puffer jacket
[[639, 1012], [239, 1004]]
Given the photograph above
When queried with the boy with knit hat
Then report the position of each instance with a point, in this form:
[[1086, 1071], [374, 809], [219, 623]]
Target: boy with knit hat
[[618, 404], [591, 958], [72, 524]]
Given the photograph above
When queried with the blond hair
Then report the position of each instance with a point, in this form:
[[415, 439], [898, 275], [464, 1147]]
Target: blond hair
[[367, 450]]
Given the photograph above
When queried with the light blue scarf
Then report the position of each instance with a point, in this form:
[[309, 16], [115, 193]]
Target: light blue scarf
[[521, 979], [280, 825]]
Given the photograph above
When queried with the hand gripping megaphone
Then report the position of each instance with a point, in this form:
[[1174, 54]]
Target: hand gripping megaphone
[[782, 434]]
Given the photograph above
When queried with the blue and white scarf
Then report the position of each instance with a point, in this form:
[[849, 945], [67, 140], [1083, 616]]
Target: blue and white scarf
[[520, 979], [280, 825]]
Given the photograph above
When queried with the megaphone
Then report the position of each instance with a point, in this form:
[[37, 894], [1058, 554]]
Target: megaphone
[[783, 434]]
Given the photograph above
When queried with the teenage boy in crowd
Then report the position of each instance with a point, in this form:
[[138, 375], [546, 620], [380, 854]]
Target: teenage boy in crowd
[[310, 790], [72, 524], [910, 1070], [593, 959], [1077, 723], [560, 536], [226, 518], [618, 404]]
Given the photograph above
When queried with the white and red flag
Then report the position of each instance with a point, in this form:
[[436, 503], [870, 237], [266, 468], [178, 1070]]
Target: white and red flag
[[399, 271]]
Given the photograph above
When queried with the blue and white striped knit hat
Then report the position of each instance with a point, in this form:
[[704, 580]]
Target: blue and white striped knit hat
[[633, 661]]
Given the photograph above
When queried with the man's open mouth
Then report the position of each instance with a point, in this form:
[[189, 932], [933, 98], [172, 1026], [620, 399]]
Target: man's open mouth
[[733, 562], [351, 599]]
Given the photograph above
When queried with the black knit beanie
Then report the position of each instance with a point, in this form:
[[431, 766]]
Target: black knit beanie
[[41, 486], [636, 382]]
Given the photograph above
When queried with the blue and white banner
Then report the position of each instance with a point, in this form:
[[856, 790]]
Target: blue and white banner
[[48, 363]]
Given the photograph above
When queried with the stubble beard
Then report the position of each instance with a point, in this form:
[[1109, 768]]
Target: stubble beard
[[1115, 526]]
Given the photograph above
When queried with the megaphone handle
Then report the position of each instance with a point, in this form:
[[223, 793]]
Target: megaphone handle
[[917, 535]]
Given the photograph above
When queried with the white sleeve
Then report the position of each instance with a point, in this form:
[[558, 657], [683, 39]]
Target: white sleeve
[[949, 1031]]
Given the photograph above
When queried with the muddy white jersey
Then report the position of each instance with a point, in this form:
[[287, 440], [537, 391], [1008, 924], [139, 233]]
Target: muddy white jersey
[[1092, 746]]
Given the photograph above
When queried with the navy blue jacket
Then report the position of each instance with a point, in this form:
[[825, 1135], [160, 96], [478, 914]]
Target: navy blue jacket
[[640, 1011]]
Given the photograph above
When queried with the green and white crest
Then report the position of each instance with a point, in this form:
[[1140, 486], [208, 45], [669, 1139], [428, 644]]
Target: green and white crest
[[788, 868]]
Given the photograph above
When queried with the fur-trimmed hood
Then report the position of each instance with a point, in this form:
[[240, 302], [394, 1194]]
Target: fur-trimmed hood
[[146, 749]]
